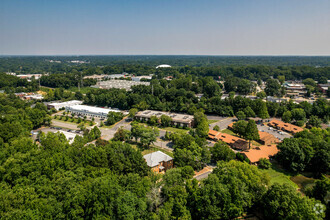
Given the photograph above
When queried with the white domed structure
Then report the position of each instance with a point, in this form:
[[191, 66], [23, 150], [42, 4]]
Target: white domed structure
[[163, 66]]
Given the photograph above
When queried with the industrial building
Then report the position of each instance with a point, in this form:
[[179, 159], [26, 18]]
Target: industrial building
[[182, 120], [59, 105], [90, 111], [118, 84]]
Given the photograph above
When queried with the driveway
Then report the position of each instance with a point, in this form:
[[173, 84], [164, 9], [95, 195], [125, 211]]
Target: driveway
[[108, 133], [67, 125], [223, 123], [274, 132]]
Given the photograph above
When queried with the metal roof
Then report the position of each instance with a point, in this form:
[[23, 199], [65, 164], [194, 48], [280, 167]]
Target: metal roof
[[154, 158], [92, 109]]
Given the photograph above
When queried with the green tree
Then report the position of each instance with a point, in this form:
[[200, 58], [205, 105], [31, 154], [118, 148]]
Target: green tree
[[249, 112], [314, 121], [216, 128], [295, 154], [263, 111], [321, 190], [114, 117], [221, 151], [261, 95], [298, 114], [281, 79], [251, 132], [284, 202], [165, 120], [287, 117], [78, 95], [272, 87], [240, 115], [240, 128], [132, 112], [264, 163], [122, 134], [202, 129], [153, 120]]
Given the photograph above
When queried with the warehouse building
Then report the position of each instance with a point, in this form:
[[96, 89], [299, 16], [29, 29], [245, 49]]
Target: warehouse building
[[59, 105], [182, 120], [118, 84], [90, 111]]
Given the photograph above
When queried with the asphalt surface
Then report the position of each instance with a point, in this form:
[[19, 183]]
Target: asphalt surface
[[274, 132], [222, 123], [203, 175]]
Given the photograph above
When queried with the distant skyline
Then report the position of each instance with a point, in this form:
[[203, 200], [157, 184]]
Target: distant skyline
[[165, 27]]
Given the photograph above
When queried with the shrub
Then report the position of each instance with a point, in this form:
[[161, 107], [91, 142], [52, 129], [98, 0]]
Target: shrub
[[264, 163]]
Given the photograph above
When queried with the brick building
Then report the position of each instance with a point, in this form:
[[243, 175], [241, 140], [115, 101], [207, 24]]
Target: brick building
[[159, 161], [232, 141]]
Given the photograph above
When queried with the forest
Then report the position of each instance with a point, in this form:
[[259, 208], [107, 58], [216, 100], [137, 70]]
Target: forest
[[52, 179]]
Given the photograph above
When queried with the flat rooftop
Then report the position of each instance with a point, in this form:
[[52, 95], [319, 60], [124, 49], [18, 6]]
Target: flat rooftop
[[66, 103], [119, 84], [175, 116], [92, 109]]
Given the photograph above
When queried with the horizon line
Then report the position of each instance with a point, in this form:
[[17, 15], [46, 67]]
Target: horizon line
[[223, 55]]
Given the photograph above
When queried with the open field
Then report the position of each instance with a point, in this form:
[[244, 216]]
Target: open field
[[278, 177]]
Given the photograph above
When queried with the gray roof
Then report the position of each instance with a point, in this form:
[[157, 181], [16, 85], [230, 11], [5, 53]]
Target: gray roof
[[154, 158]]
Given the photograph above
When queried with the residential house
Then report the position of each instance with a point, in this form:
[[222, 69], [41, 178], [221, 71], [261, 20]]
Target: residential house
[[159, 161]]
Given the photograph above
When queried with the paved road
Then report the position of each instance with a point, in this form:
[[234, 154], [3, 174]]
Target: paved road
[[164, 144], [214, 117], [203, 175], [56, 123], [108, 133], [223, 123], [274, 132]]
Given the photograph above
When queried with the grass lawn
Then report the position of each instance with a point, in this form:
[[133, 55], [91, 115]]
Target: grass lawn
[[227, 131], [212, 121], [171, 129], [302, 181], [72, 122], [176, 130], [278, 177]]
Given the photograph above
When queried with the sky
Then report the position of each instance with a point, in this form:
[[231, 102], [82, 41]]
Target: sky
[[165, 27]]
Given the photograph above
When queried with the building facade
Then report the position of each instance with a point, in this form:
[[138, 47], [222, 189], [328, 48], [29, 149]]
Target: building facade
[[59, 105], [159, 161], [182, 120], [90, 111]]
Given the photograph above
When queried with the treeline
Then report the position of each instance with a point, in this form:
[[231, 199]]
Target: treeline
[[52, 179], [18, 118], [178, 95], [12, 84], [65, 80], [251, 68], [309, 150]]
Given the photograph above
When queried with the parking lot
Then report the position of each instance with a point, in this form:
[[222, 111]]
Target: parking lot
[[277, 133]]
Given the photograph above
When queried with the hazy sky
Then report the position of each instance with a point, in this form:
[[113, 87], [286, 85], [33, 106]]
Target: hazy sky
[[205, 27]]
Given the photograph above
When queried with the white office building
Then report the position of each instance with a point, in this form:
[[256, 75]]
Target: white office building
[[59, 105], [90, 111]]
